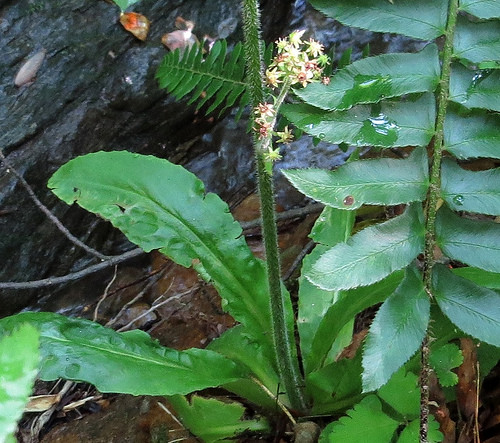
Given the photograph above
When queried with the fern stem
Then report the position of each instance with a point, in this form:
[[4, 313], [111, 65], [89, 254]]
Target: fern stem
[[283, 337], [432, 206]]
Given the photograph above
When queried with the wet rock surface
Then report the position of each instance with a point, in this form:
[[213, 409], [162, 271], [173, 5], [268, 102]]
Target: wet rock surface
[[95, 90]]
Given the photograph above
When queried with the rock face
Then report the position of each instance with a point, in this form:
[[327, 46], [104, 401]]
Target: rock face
[[94, 90]]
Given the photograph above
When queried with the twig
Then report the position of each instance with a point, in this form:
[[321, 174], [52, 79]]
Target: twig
[[285, 215], [146, 288], [105, 294], [49, 214], [298, 260], [114, 260], [44, 418], [276, 399], [35, 284], [174, 418], [78, 403], [155, 306], [476, 411]]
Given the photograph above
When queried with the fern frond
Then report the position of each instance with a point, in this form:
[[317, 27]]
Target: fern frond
[[219, 76]]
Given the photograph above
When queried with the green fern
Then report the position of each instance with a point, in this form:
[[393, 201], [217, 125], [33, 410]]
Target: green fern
[[218, 76]]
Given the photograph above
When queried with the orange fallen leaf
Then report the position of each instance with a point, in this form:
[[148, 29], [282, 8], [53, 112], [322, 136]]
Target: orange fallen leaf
[[136, 24]]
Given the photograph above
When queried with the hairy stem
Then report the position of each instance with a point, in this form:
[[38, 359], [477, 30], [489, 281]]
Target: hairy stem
[[432, 202], [282, 335]]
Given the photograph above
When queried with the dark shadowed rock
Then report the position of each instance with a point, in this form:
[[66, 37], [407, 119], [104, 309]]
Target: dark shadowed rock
[[95, 90]]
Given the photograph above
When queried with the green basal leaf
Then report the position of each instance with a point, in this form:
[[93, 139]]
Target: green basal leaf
[[411, 433], [478, 42], [19, 358], [374, 78], [384, 181], [124, 4], [396, 332], [235, 345], [426, 22], [474, 309], [365, 422], [470, 191], [337, 386], [352, 302], [402, 393], [393, 124], [83, 350], [471, 137], [490, 280], [473, 242], [443, 359], [371, 254], [159, 205], [484, 9], [214, 420], [475, 89], [333, 226]]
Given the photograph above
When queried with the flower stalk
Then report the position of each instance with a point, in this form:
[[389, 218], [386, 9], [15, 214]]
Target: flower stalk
[[283, 336]]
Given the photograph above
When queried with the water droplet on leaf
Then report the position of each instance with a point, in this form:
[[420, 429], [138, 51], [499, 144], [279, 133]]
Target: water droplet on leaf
[[321, 135], [458, 200], [349, 200]]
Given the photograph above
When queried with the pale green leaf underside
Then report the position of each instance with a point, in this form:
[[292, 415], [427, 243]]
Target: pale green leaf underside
[[475, 89], [470, 191], [396, 332], [426, 22], [332, 226], [129, 362], [371, 254], [372, 79], [383, 181], [19, 357], [366, 422], [472, 137], [159, 205], [478, 42], [409, 123], [484, 9], [474, 242], [213, 420], [474, 309], [443, 360]]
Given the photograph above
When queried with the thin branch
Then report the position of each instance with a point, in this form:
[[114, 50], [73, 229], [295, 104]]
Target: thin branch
[[141, 293], [154, 306], [36, 284], [114, 260], [49, 214], [105, 294], [298, 260], [275, 398]]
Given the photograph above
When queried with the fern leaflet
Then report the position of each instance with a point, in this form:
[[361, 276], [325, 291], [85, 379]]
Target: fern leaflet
[[218, 76]]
